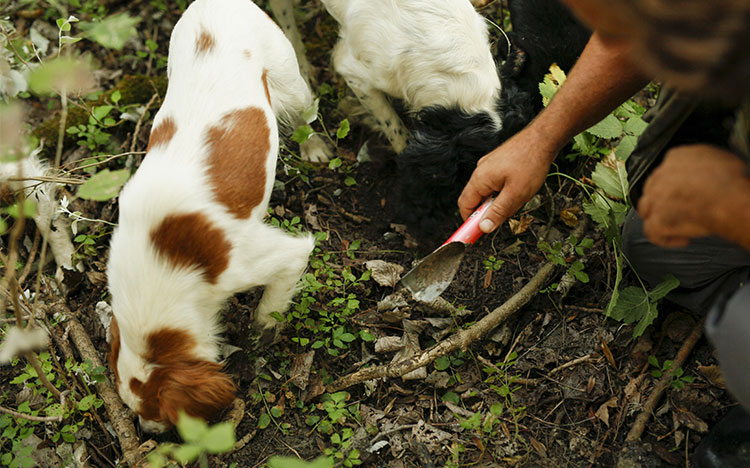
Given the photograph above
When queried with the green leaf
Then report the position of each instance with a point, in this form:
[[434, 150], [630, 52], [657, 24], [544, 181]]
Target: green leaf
[[349, 181], [626, 146], [219, 438], [311, 113], [61, 73], [614, 181], [302, 134], [100, 112], [646, 320], [609, 128], [653, 361], [112, 32], [662, 289], [343, 130], [191, 429], [276, 411], [116, 96], [264, 420], [187, 452], [334, 163], [496, 409], [290, 462], [635, 126], [633, 304], [451, 397], [551, 83], [29, 209], [104, 185], [442, 363]]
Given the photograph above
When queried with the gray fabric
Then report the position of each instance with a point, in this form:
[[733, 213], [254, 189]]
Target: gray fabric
[[707, 268], [728, 327]]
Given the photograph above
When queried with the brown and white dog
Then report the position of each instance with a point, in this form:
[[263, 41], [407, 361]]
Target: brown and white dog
[[191, 230]]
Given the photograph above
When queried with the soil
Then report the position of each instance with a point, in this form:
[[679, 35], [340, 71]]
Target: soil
[[558, 367]]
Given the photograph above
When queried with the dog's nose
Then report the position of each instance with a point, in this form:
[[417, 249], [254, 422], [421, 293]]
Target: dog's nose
[[153, 427]]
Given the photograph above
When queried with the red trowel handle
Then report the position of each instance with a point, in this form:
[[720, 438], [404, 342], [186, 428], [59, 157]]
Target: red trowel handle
[[469, 231]]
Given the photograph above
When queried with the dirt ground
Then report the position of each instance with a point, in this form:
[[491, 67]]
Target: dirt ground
[[570, 382]]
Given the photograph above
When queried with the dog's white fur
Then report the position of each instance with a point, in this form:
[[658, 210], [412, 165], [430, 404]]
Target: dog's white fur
[[148, 292], [425, 52]]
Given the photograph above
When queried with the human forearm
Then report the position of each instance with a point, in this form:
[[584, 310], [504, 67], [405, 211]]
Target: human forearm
[[602, 79]]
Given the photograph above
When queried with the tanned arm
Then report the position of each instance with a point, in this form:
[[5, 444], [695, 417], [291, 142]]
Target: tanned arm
[[603, 78]]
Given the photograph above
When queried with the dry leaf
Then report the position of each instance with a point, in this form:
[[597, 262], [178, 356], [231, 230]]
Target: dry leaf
[[608, 353], [538, 446], [688, 419], [603, 412], [487, 279], [388, 344], [520, 226], [300, 370], [569, 216], [384, 273], [713, 374], [311, 216]]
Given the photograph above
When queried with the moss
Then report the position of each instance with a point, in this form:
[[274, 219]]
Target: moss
[[134, 89]]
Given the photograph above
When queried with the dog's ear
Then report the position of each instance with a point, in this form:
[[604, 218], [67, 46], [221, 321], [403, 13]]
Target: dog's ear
[[199, 388]]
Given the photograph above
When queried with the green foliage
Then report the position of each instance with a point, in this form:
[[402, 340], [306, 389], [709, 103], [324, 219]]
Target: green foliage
[[636, 304], [73, 415], [200, 439], [105, 185], [112, 32], [556, 254], [289, 462], [679, 379], [492, 263]]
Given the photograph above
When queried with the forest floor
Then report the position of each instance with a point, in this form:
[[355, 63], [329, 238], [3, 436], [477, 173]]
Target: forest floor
[[556, 385]]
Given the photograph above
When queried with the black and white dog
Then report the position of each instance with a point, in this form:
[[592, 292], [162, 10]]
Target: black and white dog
[[436, 58]]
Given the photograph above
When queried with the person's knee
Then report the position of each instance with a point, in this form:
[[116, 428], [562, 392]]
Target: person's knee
[[728, 326]]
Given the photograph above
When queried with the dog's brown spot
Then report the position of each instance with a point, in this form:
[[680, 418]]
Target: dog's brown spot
[[239, 147], [180, 381], [162, 133], [190, 240], [264, 77], [114, 348], [205, 43]]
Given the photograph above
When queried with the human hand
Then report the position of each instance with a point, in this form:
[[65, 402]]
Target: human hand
[[514, 170], [697, 191]]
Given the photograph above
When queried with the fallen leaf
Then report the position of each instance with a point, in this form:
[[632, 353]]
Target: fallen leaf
[[713, 374], [686, 418], [603, 412], [300, 370], [384, 273], [487, 279], [569, 216], [388, 344], [521, 225], [538, 446], [311, 216], [607, 352]]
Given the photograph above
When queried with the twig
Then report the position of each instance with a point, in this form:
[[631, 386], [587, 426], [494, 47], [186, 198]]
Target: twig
[[30, 259], [458, 340], [118, 416], [140, 122], [570, 363], [29, 417], [648, 408], [31, 357]]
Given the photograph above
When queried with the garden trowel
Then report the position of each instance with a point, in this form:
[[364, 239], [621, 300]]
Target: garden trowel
[[434, 273]]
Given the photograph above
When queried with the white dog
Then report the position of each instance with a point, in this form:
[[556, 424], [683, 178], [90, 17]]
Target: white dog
[[191, 230]]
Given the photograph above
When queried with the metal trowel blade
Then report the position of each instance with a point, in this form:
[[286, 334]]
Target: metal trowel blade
[[434, 273]]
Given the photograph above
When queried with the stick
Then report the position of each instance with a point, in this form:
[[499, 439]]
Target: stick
[[458, 340], [118, 416], [648, 408]]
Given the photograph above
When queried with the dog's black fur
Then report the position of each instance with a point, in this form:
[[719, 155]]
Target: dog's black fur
[[445, 144]]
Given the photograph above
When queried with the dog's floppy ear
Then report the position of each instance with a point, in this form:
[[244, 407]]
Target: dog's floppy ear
[[199, 388]]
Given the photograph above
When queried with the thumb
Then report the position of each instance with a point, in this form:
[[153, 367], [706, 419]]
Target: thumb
[[500, 210]]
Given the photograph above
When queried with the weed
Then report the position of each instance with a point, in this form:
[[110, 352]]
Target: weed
[[492, 263], [200, 440], [678, 378]]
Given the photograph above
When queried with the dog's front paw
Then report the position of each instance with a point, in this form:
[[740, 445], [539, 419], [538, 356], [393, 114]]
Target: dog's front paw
[[316, 149]]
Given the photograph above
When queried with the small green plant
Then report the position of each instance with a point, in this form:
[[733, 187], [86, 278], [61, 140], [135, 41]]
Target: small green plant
[[289, 462], [678, 378], [200, 439], [501, 381], [492, 263], [555, 254]]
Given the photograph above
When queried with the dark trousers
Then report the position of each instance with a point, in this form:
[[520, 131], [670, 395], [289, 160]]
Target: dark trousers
[[713, 278]]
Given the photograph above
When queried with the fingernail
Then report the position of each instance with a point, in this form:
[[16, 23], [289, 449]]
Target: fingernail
[[487, 226]]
